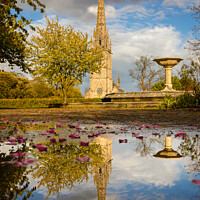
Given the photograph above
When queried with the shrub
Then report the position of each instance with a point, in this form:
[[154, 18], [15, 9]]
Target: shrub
[[41, 102], [185, 100]]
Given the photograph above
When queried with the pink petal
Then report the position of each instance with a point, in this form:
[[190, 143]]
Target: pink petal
[[112, 132], [91, 135], [156, 126], [12, 140], [196, 181], [84, 143], [45, 133], [28, 161], [97, 134], [155, 133], [15, 154], [74, 136], [193, 124], [99, 127], [123, 140], [51, 131], [53, 140], [84, 159], [140, 137], [21, 141], [41, 148], [180, 134], [19, 163], [3, 127], [62, 139]]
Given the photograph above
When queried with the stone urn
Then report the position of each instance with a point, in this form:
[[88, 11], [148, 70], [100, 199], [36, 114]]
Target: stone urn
[[168, 63]]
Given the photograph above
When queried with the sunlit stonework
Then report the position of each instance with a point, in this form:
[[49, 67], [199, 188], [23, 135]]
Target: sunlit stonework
[[101, 83]]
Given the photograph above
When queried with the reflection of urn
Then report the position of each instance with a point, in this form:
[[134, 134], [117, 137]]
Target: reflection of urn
[[168, 152], [168, 63]]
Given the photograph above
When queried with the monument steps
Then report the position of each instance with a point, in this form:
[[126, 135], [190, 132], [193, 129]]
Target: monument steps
[[139, 105]]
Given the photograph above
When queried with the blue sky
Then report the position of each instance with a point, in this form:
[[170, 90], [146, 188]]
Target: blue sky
[[158, 28]]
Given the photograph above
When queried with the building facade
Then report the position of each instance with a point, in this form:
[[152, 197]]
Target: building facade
[[101, 83]]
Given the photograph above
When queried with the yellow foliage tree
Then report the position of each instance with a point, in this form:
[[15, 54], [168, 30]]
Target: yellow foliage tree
[[62, 56]]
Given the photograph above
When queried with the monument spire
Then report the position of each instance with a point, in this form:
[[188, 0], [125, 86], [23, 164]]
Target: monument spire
[[118, 81], [101, 34]]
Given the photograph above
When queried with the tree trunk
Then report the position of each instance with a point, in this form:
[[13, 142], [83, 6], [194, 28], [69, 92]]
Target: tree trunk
[[64, 96]]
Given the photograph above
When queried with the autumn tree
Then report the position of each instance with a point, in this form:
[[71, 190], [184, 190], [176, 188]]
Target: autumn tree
[[194, 45], [146, 73], [62, 56], [13, 86], [13, 33], [59, 168]]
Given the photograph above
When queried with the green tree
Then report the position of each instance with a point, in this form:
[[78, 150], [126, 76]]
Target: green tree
[[176, 82], [62, 56], [145, 73], [13, 33]]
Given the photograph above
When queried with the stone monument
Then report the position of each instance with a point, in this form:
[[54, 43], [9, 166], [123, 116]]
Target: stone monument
[[101, 83], [168, 63]]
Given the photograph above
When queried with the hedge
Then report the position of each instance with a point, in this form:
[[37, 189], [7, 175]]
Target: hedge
[[42, 102]]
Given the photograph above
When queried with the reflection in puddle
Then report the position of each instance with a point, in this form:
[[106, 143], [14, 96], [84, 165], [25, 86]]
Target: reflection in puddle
[[168, 152], [61, 160]]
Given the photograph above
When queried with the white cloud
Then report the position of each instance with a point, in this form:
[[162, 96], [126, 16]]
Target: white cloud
[[179, 3], [110, 12]]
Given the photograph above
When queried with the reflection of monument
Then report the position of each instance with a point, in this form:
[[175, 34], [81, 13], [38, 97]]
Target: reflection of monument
[[102, 172], [168, 63], [168, 152], [101, 83]]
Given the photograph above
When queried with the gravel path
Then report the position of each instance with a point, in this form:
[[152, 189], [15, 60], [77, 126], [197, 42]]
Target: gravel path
[[179, 116]]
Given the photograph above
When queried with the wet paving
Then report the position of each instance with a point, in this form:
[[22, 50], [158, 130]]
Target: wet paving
[[63, 159]]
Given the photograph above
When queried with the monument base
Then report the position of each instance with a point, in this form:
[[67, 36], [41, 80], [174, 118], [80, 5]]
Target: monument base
[[140, 96]]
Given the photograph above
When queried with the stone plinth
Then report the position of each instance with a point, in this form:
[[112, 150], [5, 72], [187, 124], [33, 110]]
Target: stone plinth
[[140, 96], [168, 63]]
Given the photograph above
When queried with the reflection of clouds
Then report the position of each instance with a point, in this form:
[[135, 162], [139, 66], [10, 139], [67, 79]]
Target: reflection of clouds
[[129, 166], [7, 148]]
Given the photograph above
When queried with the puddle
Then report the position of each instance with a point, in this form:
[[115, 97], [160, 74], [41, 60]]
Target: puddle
[[87, 161]]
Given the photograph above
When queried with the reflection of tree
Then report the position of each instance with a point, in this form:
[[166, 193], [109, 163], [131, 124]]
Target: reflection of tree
[[190, 147], [13, 179], [145, 148], [58, 167]]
